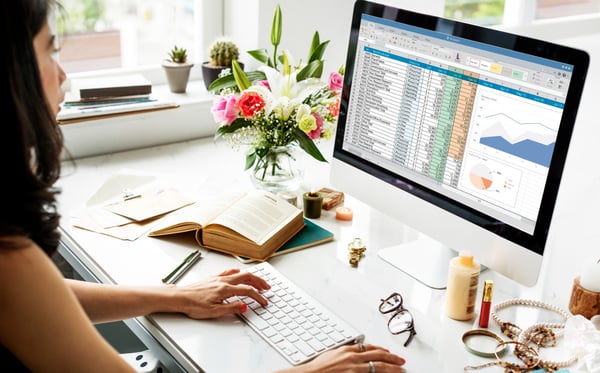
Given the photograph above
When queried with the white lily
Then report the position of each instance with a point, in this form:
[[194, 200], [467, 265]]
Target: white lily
[[286, 85]]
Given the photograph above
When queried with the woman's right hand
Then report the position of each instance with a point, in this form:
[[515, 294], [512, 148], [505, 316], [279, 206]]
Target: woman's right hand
[[356, 358]]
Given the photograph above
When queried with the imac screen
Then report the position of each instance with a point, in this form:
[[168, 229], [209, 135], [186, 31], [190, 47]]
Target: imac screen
[[474, 121]]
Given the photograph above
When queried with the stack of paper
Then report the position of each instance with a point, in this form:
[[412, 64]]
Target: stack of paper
[[127, 205]]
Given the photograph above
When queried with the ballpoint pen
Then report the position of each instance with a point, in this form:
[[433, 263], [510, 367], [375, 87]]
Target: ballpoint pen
[[182, 268]]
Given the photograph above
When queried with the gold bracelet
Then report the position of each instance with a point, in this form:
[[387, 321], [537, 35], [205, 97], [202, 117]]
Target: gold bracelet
[[485, 333]]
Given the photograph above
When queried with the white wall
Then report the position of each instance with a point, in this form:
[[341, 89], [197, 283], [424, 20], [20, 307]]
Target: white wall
[[249, 23]]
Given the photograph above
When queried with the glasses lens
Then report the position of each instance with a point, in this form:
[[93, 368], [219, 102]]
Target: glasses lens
[[391, 303], [400, 322]]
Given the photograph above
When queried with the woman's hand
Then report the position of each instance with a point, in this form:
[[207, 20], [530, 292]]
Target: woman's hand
[[356, 358], [204, 299]]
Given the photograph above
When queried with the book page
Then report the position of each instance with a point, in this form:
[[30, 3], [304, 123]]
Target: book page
[[257, 216], [201, 213]]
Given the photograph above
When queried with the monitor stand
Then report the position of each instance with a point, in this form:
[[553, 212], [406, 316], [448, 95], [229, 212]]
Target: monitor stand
[[424, 259]]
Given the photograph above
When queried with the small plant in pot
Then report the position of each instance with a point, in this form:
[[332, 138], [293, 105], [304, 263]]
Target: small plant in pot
[[222, 52], [177, 69]]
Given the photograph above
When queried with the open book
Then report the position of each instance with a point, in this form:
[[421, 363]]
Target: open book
[[253, 224]]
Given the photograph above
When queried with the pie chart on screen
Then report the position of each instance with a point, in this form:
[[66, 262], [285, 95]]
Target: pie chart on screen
[[481, 177]]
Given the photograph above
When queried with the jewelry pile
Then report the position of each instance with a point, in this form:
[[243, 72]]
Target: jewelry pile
[[526, 342]]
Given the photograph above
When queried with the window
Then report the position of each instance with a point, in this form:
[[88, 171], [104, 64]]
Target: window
[[492, 12], [108, 34], [105, 34], [561, 8]]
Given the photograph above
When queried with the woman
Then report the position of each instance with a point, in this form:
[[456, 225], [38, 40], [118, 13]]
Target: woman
[[47, 321]]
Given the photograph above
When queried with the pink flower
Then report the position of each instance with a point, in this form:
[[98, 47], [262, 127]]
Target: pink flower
[[316, 133], [224, 110], [336, 81], [264, 83]]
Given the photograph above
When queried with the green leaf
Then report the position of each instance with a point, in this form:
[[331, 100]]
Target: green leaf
[[250, 159], [240, 76], [261, 55], [276, 27], [234, 126], [318, 52], [312, 70], [228, 81], [308, 145], [314, 44]]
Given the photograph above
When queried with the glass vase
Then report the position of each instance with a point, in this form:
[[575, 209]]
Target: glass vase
[[281, 169]]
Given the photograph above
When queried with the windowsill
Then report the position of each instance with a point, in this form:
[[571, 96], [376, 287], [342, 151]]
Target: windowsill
[[191, 120]]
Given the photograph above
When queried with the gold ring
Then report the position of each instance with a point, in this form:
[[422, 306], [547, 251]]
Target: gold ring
[[485, 333]]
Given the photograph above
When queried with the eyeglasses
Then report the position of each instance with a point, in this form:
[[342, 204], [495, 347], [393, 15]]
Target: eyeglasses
[[401, 320]]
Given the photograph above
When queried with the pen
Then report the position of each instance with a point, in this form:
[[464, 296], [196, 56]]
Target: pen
[[182, 268]]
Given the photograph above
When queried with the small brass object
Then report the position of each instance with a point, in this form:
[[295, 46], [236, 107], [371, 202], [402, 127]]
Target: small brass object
[[356, 250]]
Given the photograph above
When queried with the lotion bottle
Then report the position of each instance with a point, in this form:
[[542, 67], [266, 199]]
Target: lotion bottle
[[463, 279]]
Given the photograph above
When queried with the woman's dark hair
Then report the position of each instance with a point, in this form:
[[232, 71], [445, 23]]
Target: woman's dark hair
[[31, 142]]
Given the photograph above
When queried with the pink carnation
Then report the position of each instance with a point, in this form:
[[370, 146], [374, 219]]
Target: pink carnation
[[224, 110], [336, 81], [250, 104], [316, 133]]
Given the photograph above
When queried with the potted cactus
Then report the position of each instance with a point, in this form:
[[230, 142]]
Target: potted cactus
[[177, 69], [221, 52]]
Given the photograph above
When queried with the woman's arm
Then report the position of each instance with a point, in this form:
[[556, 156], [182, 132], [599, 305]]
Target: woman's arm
[[43, 324], [200, 300]]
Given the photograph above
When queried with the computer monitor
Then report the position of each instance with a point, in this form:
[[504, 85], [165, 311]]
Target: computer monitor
[[458, 131]]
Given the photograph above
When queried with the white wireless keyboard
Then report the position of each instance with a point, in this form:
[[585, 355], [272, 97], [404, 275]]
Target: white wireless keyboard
[[294, 323]]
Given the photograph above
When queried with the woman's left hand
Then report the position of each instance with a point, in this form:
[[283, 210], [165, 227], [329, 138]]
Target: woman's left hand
[[205, 299]]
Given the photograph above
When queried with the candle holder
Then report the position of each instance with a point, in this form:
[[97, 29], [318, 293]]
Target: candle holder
[[584, 302], [312, 203]]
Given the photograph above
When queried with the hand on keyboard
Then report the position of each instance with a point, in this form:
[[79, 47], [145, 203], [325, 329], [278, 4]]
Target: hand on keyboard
[[295, 324], [205, 298], [353, 358]]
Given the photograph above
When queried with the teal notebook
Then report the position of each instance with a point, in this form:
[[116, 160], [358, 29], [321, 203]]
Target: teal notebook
[[310, 235]]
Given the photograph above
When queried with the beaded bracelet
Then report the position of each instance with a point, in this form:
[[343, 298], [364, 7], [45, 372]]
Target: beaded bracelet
[[527, 354], [540, 334]]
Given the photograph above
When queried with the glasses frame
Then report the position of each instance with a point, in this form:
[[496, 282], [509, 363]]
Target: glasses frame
[[397, 310]]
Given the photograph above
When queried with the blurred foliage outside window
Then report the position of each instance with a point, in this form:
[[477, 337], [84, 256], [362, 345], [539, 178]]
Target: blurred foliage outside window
[[82, 16], [106, 34], [481, 12]]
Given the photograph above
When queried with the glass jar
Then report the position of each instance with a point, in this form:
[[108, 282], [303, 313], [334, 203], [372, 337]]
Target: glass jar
[[282, 168]]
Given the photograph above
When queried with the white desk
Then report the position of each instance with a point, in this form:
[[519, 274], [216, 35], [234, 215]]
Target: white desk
[[228, 345]]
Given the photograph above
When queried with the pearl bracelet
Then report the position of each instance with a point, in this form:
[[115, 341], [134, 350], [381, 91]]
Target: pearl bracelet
[[514, 329]]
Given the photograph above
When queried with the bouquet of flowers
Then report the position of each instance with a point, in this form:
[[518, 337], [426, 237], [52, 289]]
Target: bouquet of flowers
[[281, 103]]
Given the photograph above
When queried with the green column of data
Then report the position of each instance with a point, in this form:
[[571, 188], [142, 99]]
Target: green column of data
[[443, 132]]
